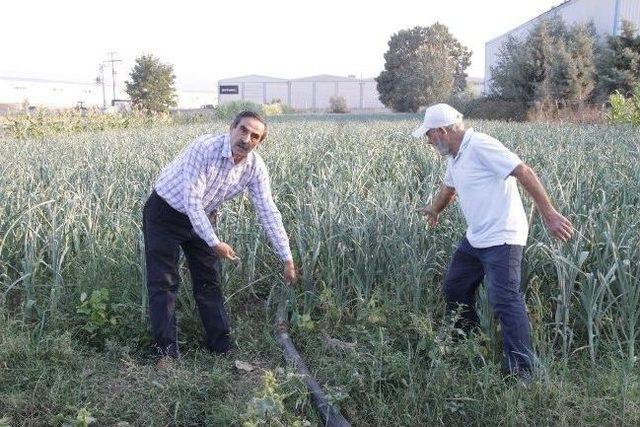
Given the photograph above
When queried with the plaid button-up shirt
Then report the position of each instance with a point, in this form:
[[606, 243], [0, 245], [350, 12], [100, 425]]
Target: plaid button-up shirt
[[204, 175]]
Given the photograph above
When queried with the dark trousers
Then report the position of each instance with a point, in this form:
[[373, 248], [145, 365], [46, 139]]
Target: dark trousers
[[166, 230], [501, 266]]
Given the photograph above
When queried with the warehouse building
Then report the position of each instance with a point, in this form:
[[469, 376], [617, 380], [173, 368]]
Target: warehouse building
[[307, 93], [606, 15]]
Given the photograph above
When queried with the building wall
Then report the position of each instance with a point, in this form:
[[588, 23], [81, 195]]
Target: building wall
[[302, 95], [275, 91], [371, 96], [324, 91], [601, 12], [307, 94], [351, 93], [629, 10]]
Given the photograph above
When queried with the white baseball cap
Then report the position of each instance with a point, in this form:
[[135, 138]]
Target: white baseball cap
[[437, 116]]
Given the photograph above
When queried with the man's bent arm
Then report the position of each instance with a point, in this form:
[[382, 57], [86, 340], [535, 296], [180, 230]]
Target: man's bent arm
[[443, 198]]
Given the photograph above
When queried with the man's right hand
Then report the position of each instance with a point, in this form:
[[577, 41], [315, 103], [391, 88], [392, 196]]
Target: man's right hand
[[222, 250], [432, 216]]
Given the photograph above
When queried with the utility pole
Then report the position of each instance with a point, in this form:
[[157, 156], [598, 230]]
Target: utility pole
[[101, 78], [113, 72]]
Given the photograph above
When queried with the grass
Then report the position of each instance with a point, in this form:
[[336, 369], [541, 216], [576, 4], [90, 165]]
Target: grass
[[367, 311]]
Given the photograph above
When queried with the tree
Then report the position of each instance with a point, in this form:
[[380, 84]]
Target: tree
[[423, 65], [553, 63], [152, 85], [619, 67]]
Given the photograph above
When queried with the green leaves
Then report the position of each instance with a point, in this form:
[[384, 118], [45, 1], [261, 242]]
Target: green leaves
[[423, 65], [97, 314], [625, 109], [152, 85]]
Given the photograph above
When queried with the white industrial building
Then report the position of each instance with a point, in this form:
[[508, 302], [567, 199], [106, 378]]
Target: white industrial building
[[307, 93], [22, 91], [48, 93], [606, 15]]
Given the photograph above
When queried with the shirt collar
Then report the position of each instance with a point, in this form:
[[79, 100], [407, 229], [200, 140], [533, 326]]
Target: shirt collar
[[465, 142], [226, 147], [228, 154]]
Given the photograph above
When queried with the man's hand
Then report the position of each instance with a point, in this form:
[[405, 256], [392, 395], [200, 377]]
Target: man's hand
[[289, 272], [559, 226], [222, 250], [432, 216]]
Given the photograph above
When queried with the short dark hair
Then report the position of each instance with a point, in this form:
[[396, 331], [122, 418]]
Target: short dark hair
[[252, 115]]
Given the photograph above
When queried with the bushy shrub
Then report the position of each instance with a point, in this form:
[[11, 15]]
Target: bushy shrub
[[487, 108], [45, 123], [287, 109], [625, 110], [619, 65], [278, 104], [338, 104], [98, 316], [560, 111], [230, 110], [553, 62], [273, 109]]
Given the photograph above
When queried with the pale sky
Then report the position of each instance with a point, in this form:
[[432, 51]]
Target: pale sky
[[210, 40]]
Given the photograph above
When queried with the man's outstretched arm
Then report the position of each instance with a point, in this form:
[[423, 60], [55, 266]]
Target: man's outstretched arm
[[559, 226]]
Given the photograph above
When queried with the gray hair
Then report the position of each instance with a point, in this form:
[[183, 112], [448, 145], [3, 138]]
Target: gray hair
[[456, 127]]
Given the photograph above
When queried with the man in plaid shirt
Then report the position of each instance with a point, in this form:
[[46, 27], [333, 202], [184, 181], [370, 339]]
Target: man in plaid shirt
[[179, 214]]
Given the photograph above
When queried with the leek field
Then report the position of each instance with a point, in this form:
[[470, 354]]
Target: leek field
[[366, 313]]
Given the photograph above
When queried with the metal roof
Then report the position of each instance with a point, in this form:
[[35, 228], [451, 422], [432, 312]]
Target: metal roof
[[325, 78], [553, 9], [252, 78]]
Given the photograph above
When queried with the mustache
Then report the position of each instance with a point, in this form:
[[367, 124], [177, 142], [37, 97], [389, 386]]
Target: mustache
[[241, 144]]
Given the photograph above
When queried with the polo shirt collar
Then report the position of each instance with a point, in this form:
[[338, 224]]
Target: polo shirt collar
[[465, 142]]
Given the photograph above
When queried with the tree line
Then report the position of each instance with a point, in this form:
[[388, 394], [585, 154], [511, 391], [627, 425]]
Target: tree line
[[555, 63]]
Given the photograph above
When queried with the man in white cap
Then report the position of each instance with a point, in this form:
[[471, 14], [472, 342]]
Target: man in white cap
[[482, 173]]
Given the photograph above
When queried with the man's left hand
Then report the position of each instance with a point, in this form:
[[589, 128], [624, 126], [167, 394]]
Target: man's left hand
[[559, 226], [289, 272]]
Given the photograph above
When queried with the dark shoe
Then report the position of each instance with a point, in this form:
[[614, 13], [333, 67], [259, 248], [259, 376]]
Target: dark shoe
[[524, 377], [222, 345], [226, 349]]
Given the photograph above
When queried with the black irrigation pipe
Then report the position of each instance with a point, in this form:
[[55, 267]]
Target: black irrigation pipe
[[330, 415]]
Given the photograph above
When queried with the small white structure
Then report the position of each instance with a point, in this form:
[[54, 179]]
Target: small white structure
[[606, 15], [195, 98], [306, 93], [475, 85]]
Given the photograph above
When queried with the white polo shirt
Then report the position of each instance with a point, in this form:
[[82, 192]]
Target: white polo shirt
[[488, 195]]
